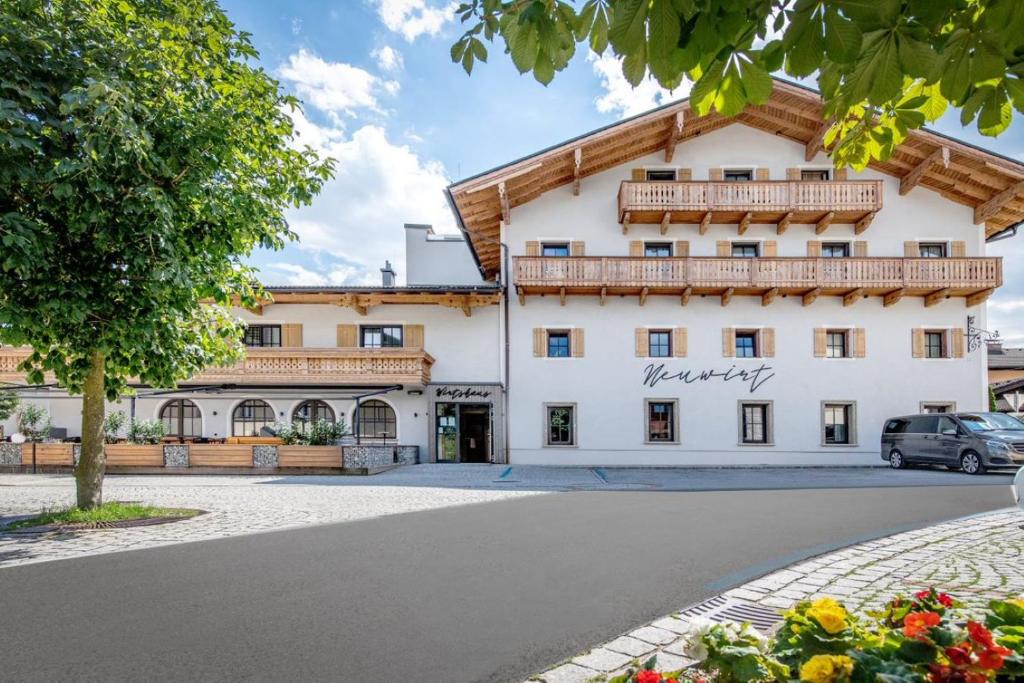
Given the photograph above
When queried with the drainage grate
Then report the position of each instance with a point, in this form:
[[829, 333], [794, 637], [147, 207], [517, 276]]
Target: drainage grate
[[721, 608]]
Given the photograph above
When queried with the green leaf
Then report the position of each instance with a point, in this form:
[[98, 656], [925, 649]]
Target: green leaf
[[664, 27], [996, 113], [599, 32], [634, 66], [544, 69], [917, 651], [628, 25], [842, 38], [1015, 89], [757, 82]]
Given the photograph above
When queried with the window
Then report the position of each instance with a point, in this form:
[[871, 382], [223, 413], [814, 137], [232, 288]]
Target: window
[[659, 343], [661, 174], [560, 425], [932, 249], [814, 174], [661, 421], [250, 417], [755, 423], [938, 407], [738, 175], [837, 423], [835, 249], [935, 344], [559, 249], [376, 420], [309, 412], [182, 419], [835, 344], [991, 422], [923, 424], [657, 250], [947, 424], [558, 345], [263, 335], [745, 249], [746, 345], [379, 337]]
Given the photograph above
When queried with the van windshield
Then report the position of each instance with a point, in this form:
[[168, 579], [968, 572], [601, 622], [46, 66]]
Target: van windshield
[[989, 422]]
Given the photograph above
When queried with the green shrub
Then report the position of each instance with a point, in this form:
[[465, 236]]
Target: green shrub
[[112, 426], [146, 431], [34, 422]]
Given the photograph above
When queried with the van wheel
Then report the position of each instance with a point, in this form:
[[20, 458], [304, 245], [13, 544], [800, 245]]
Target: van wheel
[[896, 460], [970, 462]]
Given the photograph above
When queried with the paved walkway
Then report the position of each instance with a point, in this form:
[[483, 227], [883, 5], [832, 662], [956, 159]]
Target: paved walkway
[[975, 559]]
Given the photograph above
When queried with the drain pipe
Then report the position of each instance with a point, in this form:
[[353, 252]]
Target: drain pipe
[[1006, 233]]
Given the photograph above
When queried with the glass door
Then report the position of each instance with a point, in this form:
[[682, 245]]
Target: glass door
[[447, 432]]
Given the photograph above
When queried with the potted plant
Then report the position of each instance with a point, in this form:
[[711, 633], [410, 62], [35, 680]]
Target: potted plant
[[34, 424], [311, 445], [144, 446]]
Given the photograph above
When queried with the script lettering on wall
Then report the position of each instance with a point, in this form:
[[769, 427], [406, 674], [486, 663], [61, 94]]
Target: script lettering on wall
[[754, 378], [449, 392]]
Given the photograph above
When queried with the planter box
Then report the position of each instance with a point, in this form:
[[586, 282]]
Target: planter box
[[309, 456], [253, 440], [49, 454], [219, 455], [134, 455]]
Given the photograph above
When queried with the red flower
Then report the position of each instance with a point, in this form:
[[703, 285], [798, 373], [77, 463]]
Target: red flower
[[945, 600], [917, 623], [993, 657], [671, 680], [923, 595], [980, 634], [959, 656], [648, 677]]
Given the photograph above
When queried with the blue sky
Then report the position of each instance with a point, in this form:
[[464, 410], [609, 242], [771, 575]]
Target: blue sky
[[382, 96]]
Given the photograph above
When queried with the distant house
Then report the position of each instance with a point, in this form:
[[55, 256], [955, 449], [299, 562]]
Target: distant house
[[1004, 364]]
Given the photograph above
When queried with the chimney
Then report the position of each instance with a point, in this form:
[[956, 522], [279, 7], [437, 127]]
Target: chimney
[[387, 275]]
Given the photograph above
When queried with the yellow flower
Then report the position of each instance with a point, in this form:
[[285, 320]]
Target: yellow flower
[[826, 669], [829, 614], [1019, 602]]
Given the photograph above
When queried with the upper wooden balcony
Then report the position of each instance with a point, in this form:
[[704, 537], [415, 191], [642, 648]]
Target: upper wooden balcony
[[783, 202], [852, 278], [293, 366]]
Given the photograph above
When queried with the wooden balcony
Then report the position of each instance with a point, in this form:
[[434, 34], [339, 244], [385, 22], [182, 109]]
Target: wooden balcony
[[852, 278], [294, 367], [820, 203]]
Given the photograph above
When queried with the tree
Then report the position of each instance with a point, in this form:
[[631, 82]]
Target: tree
[[143, 155], [8, 405], [883, 67]]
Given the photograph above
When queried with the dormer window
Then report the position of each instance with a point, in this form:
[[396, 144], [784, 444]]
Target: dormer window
[[737, 175], [661, 174]]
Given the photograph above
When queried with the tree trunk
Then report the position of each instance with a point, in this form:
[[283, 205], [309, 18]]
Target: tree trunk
[[92, 463]]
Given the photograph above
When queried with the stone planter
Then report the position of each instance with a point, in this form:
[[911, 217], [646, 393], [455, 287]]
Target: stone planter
[[10, 454], [377, 456], [175, 455], [134, 455], [309, 456], [264, 456]]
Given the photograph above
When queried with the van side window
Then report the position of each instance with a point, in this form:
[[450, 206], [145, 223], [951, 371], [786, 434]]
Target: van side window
[[896, 426], [924, 424], [946, 423]]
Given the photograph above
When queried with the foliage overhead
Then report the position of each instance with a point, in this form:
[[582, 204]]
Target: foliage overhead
[[883, 67]]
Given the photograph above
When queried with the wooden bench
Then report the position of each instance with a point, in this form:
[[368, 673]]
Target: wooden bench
[[309, 456], [219, 455]]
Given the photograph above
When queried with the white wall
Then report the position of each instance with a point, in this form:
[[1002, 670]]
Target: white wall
[[434, 259]]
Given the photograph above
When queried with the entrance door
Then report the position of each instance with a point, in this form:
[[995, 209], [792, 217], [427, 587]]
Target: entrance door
[[447, 432], [474, 433]]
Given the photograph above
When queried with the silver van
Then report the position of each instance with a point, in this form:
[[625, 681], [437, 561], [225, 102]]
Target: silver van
[[972, 442]]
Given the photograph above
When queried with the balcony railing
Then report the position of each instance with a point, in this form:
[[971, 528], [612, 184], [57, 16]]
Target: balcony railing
[[765, 201], [294, 366]]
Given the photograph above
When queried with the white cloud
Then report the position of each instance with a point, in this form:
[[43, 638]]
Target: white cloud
[[621, 97], [413, 18], [388, 58], [299, 276], [334, 87]]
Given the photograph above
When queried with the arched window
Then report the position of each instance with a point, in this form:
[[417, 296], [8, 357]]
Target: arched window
[[250, 417], [182, 419], [376, 420], [311, 411]]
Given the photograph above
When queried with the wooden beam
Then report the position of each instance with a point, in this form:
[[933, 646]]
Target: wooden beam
[[916, 175], [522, 297], [937, 296], [255, 310], [673, 137], [850, 298], [643, 295], [978, 297], [810, 296], [664, 222], [862, 225], [577, 156], [354, 302], [561, 296], [744, 223], [684, 298], [825, 221], [784, 223], [506, 213], [769, 296], [704, 223], [727, 296], [604, 295], [625, 223], [993, 206], [893, 297], [467, 309], [817, 141]]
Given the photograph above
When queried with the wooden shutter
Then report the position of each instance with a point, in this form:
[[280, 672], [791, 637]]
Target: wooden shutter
[[716, 174], [956, 342], [723, 248], [639, 175], [820, 342], [771, 248], [814, 248], [291, 335], [679, 342], [768, 342], [576, 341], [911, 250], [860, 346], [577, 248], [684, 174], [413, 336], [959, 249], [539, 337], [860, 248], [917, 342], [840, 173], [533, 248], [682, 248], [643, 342], [761, 174], [728, 342], [636, 248], [792, 174], [348, 336]]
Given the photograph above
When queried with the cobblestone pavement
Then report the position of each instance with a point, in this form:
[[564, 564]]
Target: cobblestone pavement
[[975, 559], [236, 505]]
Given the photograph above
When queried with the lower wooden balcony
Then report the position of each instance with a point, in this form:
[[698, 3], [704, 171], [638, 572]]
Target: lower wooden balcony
[[293, 366], [935, 279]]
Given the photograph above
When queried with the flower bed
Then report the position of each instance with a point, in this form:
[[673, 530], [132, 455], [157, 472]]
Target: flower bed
[[922, 639]]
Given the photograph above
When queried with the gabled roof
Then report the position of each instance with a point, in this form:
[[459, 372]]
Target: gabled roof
[[990, 183]]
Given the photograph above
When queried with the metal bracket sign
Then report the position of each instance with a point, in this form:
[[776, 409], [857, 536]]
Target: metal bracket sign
[[977, 337]]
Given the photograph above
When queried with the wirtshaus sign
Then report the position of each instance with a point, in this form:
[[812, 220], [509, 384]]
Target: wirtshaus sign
[[752, 377]]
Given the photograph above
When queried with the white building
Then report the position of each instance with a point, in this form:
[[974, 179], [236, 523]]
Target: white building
[[666, 291]]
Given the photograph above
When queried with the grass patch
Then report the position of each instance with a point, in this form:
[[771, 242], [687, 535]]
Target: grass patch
[[108, 512]]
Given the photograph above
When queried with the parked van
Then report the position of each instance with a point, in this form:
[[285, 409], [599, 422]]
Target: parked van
[[972, 442]]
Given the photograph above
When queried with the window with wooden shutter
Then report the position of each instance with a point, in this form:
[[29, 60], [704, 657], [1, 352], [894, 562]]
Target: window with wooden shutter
[[814, 248], [820, 337], [723, 248], [728, 342], [767, 342], [792, 174], [682, 248], [642, 342], [684, 174], [959, 249], [348, 336], [539, 339], [771, 248], [716, 174], [577, 248], [956, 342], [917, 342], [636, 248], [533, 248], [860, 248], [639, 175], [840, 173], [911, 250], [679, 342], [414, 336], [576, 346], [291, 335], [761, 174], [860, 348]]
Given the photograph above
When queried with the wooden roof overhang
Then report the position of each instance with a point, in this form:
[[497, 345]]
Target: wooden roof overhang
[[991, 184], [361, 299]]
